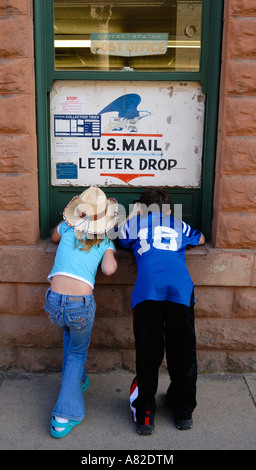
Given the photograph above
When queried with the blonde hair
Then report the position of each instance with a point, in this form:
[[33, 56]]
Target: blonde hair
[[87, 243]]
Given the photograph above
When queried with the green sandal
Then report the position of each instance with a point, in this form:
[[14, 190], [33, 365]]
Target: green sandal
[[68, 427], [86, 384]]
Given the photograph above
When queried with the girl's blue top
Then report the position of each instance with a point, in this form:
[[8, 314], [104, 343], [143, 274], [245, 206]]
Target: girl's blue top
[[72, 262]]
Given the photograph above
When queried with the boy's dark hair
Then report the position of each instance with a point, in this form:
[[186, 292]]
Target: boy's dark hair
[[156, 196]]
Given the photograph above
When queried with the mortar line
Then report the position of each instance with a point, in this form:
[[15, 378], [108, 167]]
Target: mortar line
[[248, 388]]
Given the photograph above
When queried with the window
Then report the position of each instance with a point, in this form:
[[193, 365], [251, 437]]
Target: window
[[143, 42], [152, 35]]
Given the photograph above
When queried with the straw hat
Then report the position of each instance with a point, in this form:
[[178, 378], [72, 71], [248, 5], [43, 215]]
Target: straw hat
[[91, 212]]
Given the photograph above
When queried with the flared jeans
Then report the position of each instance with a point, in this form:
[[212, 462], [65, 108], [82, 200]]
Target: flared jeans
[[75, 316]]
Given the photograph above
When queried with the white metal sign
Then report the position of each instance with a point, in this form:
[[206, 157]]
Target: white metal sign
[[126, 133]]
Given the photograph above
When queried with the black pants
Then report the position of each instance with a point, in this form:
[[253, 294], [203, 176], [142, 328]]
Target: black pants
[[166, 325]]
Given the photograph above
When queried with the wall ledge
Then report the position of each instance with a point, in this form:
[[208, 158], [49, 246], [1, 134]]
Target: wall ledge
[[207, 265]]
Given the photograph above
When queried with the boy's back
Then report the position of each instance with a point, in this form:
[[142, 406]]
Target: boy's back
[[159, 245]]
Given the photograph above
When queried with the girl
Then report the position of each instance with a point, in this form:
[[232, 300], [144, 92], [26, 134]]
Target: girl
[[83, 245]]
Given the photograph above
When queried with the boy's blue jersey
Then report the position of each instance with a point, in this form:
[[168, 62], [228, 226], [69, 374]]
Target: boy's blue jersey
[[159, 245]]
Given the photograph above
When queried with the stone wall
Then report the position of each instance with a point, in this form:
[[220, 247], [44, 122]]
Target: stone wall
[[19, 218], [225, 311], [234, 222], [224, 276]]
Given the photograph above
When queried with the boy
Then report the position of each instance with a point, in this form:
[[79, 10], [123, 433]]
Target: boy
[[163, 304]]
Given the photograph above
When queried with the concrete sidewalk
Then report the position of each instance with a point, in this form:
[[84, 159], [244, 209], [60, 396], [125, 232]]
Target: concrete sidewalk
[[225, 418]]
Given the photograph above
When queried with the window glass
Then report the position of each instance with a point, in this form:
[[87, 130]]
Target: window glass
[[138, 35]]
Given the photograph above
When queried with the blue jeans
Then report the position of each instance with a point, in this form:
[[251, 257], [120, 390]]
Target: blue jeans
[[75, 315]]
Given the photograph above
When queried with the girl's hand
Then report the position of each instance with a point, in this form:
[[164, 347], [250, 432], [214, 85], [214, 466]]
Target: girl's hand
[[109, 264], [55, 235]]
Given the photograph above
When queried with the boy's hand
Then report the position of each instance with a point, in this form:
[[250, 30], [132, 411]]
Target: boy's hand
[[135, 210], [202, 239]]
